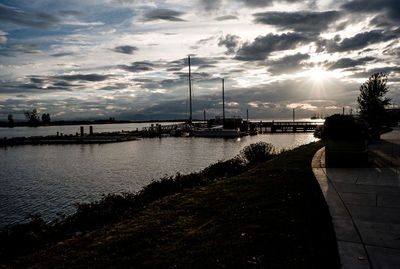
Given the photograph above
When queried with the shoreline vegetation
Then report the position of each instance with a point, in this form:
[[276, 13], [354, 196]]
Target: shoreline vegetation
[[261, 209]]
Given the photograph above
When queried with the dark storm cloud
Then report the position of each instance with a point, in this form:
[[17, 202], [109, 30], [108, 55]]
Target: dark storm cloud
[[71, 13], [166, 84], [382, 21], [123, 2], [227, 17], [259, 3], [62, 54], [348, 62], [262, 46], [6, 54], [231, 42], [48, 83], [125, 49], [116, 86], [391, 71], [137, 67], [392, 51], [199, 76], [210, 4], [63, 84], [163, 14], [36, 20], [172, 84], [13, 87], [301, 21], [78, 77], [201, 62], [287, 64], [146, 83], [37, 80], [205, 66], [53, 83], [360, 40], [391, 8]]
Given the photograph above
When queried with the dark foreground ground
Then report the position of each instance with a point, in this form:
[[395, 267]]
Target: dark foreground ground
[[272, 216]]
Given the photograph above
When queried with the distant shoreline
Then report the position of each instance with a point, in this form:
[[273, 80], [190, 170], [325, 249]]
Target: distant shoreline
[[5, 124], [86, 122]]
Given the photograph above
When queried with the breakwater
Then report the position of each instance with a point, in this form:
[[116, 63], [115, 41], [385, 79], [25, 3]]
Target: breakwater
[[78, 138]]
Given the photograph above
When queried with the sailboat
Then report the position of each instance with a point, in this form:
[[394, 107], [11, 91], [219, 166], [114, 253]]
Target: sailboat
[[219, 130], [186, 129]]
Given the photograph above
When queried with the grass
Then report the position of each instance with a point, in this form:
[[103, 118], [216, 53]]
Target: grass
[[272, 216]]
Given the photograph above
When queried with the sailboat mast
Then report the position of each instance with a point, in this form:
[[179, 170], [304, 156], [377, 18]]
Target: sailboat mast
[[223, 101], [190, 91]]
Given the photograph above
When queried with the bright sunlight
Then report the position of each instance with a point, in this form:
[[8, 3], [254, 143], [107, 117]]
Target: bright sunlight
[[318, 75]]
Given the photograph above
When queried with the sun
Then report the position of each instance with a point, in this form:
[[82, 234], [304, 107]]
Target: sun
[[318, 80], [318, 75]]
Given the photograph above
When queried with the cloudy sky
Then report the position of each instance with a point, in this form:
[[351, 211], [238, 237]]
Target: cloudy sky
[[128, 58]]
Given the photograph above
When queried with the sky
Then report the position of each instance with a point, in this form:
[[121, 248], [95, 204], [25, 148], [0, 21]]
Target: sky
[[127, 59]]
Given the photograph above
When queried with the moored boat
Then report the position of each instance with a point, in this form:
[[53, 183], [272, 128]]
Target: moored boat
[[217, 131]]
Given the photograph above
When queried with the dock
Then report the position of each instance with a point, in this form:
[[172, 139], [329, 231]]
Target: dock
[[283, 126], [249, 127]]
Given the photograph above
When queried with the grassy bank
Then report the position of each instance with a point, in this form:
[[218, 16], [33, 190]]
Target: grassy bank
[[272, 216]]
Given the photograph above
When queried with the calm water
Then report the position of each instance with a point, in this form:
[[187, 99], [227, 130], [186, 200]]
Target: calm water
[[48, 179]]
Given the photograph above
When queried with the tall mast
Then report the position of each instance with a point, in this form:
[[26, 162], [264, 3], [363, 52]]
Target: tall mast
[[293, 115], [190, 91], [223, 101]]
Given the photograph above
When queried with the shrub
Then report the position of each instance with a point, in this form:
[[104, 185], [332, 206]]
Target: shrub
[[258, 152], [341, 127]]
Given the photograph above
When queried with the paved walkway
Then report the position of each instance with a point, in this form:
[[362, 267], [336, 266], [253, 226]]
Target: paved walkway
[[365, 205]]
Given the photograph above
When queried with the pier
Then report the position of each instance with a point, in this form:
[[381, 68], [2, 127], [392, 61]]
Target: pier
[[283, 126], [248, 127]]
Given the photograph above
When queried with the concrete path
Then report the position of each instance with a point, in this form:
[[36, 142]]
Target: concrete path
[[365, 205]]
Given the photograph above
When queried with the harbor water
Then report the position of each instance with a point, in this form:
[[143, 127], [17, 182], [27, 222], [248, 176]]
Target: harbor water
[[51, 179]]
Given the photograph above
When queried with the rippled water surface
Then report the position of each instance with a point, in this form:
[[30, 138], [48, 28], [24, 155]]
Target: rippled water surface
[[48, 179]]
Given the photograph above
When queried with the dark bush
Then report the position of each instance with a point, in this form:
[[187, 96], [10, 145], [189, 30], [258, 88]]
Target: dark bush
[[341, 127], [257, 153]]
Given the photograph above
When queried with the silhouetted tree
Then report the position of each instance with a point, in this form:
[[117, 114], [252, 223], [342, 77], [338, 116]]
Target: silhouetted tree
[[32, 117], [10, 120], [46, 118], [372, 102]]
